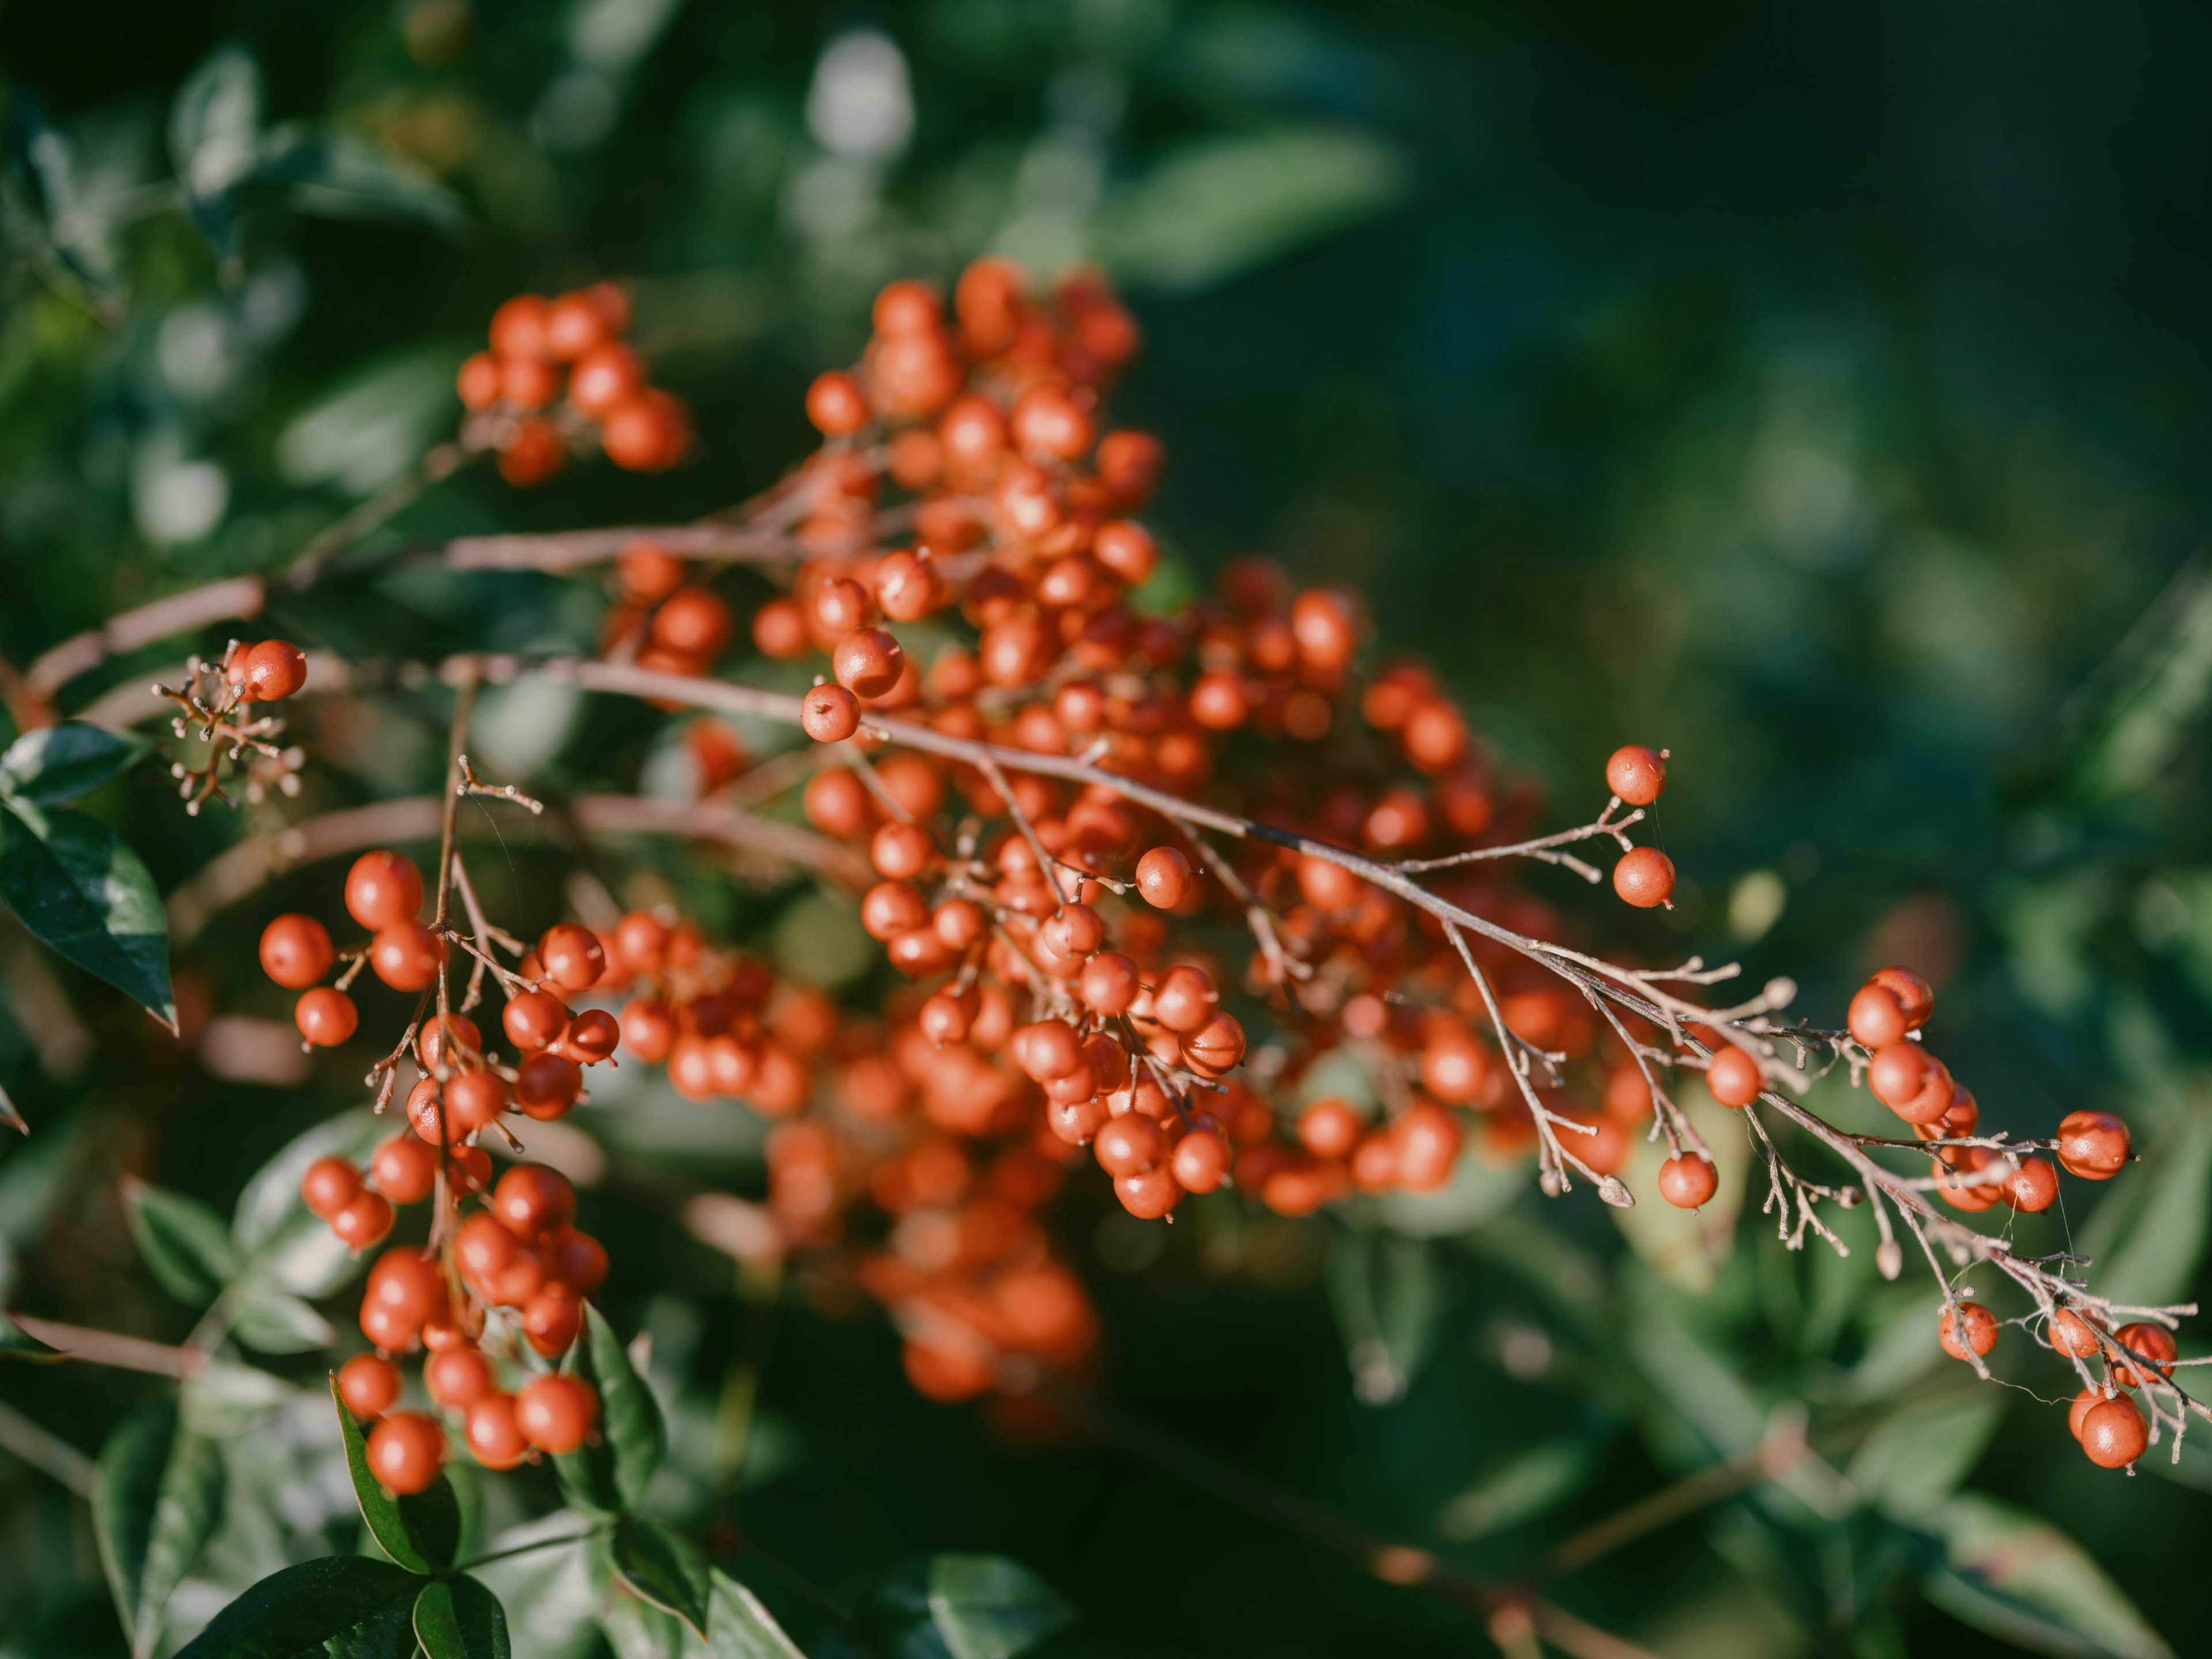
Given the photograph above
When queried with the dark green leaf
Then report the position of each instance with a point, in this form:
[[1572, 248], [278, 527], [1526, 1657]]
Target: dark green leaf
[[183, 1242], [663, 1568], [421, 1531], [57, 764], [457, 1618], [741, 1628], [968, 1606], [2020, 1578], [158, 1496], [16, 1343], [74, 884], [341, 176], [343, 1607], [611, 1477], [1920, 1455]]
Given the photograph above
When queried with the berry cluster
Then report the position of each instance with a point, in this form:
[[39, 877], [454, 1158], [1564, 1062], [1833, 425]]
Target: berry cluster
[[520, 406], [219, 705]]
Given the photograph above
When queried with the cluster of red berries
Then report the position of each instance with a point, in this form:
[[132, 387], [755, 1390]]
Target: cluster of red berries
[[533, 415]]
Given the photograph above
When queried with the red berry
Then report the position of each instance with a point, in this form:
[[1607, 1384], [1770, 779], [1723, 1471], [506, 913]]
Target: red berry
[[557, 1413], [409, 1282], [1733, 1076], [362, 1220], [836, 404], [867, 662], [383, 888], [1428, 1144], [2093, 1144], [2033, 1188], [1164, 877], [546, 1085], [368, 1385], [405, 1451], [1912, 992], [273, 670], [459, 1376], [2154, 1342], [1645, 876], [551, 1319], [572, 956], [405, 1167], [2113, 1433], [474, 1101], [647, 433], [1979, 1324], [1200, 1162], [325, 1017], [534, 1019], [1128, 1145], [329, 1185], [1635, 773], [1877, 1018], [406, 955], [1329, 1128], [1185, 999], [495, 1440], [829, 714], [605, 378], [692, 623], [2072, 1334], [531, 1199], [1688, 1183]]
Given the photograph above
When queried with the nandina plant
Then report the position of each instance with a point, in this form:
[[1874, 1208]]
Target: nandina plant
[[1153, 875]]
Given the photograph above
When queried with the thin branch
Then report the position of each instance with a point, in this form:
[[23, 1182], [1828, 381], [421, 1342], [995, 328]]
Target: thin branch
[[96, 1347]]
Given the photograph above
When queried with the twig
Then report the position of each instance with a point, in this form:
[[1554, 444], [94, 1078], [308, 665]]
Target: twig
[[97, 1347], [47, 1451]]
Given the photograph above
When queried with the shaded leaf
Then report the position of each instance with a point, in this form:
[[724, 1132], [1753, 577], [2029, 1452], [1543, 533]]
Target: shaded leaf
[[220, 1399], [270, 1319], [610, 1476], [636, 1629], [1222, 205], [10, 1116], [270, 1197], [2149, 1234], [457, 1618], [2020, 1578], [213, 121], [57, 764], [1386, 1296], [968, 1606], [373, 425], [156, 1499], [75, 885], [1520, 1486], [1921, 1453], [340, 175], [343, 1607], [741, 1628], [183, 1242], [663, 1568], [421, 1531], [2149, 701]]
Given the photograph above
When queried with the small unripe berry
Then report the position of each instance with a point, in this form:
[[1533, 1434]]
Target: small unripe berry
[[2113, 1433], [325, 1017], [368, 1385], [383, 888], [829, 714], [1733, 1077], [1978, 1325], [1645, 876], [1688, 1183], [405, 1451], [1635, 773], [2093, 1144]]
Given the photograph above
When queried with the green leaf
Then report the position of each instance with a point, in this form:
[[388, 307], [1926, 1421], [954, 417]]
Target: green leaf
[[270, 1319], [663, 1568], [156, 1498], [222, 1399], [270, 1198], [2155, 691], [968, 1606], [213, 122], [374, 424], [183, 1242], [2020, 1579], [1386, 1296], [1520, 1486], [741, 1628], [339, 175], [1920, 1455], [421, 1531], [343, 1607], [78, 887], [609, 1478], [16, 1343], [57, 764], [1222, 205], [457, 1618], [636, 1629]]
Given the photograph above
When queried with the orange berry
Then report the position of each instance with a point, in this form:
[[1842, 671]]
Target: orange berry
[[329, 1185], [2072, 1334], [296, 952], [1912, 994], [325, 1017], [495, 1439], [383, 888], [1979, 1324], [405, 1451], [2113, 1433], [829, 714], [1877, 1018], [557, 1413], [406, 955], [1645, 876], [272, 671], [405, 1168], [2093, 1144], [368, 1385], [1733, 1077], [1688, 1183], [1635, 773], [2154, 1342], [362, 1220], [572, 956]]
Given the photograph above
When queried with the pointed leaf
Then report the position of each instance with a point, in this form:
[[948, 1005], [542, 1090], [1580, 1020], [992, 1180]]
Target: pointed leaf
[[79, 889], [741, 1628], [271, 1320], [340, 175], [57, 764], [1920, 1455], [636, 1629], [183, 1242], [663, 1568], [421, 1531], [156, 1499], [213, 121], [2148, 1232], [343, 1607], [222, 1399], [611, 1477], [2020, 1578], [270, 1197], [10, 1116], [457, 1618], [970, 1606]]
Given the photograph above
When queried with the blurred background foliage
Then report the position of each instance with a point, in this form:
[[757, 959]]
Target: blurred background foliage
[[1822, 393]]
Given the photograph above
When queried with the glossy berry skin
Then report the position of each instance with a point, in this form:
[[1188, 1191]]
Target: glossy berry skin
[[572, 956], [1913, 994], [1200, 1161], [1148, 1196], [474, 1101], [495, 1440], [368, 1385], [1330, 1127], [829, 714], [459, 1376], [1688, 1183], [534, 1019], [1877, 1018], [867, 662], [2093, 1144], [405, 1168], [1427, 1140], [296, 952], [1979, 1324], [1733, 1077], [383, 888], [2082, 1405], [1644, 877], [546, 1085], [440, 1032], [1185, 999], [692, 623], [2154, 1342], [272, 671], [363, 1220], [2113, 1433], [1128, 1145], [325, 1017], [2033, 1188], [836, 404], [329, 1186], [531, 1199], [1898, 1071], [1164, 877], [551, 1319], [557, 1413], [406, 955], [1635, 773], [405, 1452], [2072, 1334]]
